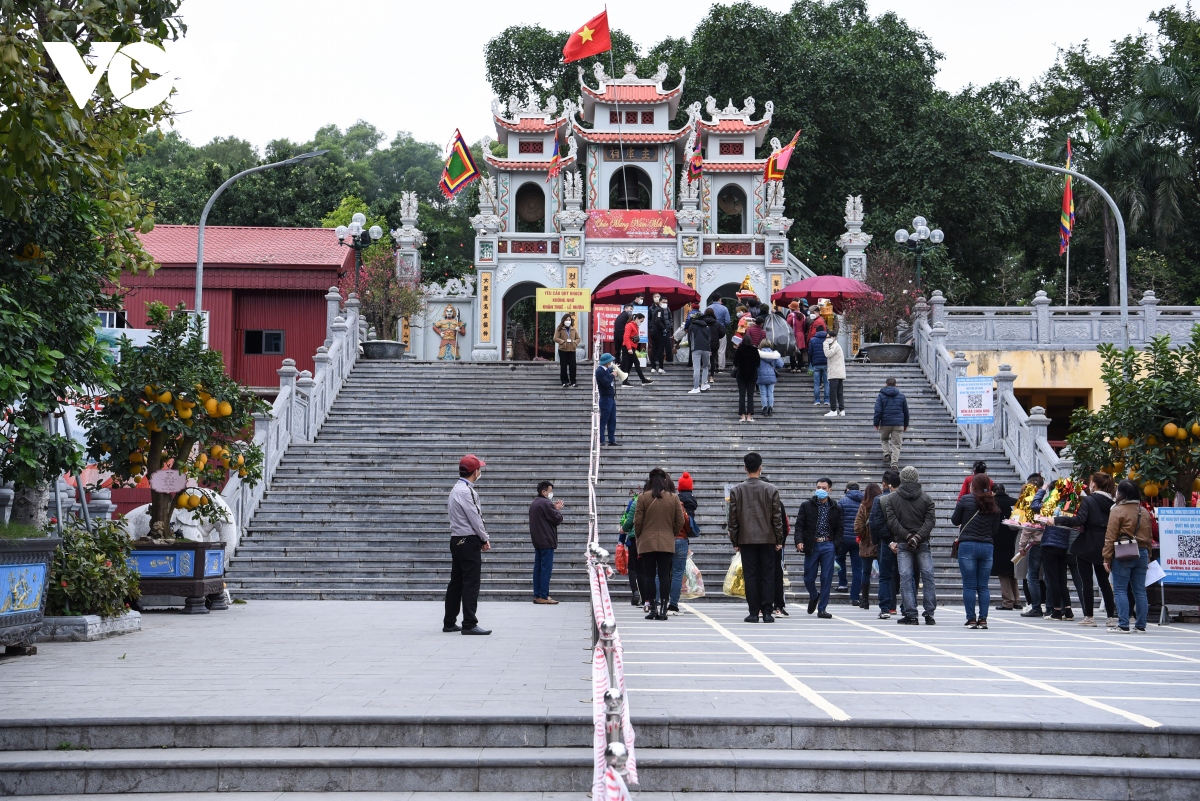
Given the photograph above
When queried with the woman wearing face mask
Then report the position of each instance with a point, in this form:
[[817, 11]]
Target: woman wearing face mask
[[660, 331], [567, 340]]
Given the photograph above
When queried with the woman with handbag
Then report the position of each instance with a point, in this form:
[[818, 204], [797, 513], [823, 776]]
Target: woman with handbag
[[978, 519], [657, 517], [868, 549], [1088, 547], [1127, 543]]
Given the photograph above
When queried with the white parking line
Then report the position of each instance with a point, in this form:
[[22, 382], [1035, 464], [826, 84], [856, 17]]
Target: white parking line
[[1041, 685], [1113, 639], [803, 689]]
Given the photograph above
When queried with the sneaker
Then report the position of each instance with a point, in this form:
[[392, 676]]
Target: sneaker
[[564, 386], [695, 391], [647, 381], [1087, 621], [1112, 622], [1068, 615], [842, 413], [768, 618], [1138, 630], [1119, 630], [635, 601], [573, 386], [751, 618], [982, 624], [908, 621], [842, 588], [812, 605], [705, 387], [1035, 612], [830, 414], [929, 621], [884, 616], [782, 612], [824, 615], [816, 403], [970, 623]]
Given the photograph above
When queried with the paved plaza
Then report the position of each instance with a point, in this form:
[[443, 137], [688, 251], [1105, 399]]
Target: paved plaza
[[301, 658]]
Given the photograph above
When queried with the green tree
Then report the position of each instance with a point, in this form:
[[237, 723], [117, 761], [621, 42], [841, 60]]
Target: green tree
[[68, 221]]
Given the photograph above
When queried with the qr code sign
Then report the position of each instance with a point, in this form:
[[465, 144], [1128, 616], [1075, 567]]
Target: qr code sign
[[1189, 546], [975, 401]]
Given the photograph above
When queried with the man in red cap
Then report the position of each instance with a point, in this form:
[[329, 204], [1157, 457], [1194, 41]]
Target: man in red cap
[[468, 541]]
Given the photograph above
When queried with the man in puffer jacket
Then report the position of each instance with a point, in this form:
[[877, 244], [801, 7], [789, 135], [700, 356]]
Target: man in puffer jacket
[[847, 546], [910, 519], [819, 363], [891, 421]]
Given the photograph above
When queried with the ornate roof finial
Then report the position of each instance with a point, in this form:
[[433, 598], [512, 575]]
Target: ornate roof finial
[[710, 105]]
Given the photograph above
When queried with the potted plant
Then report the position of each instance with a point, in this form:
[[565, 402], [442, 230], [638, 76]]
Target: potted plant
[[176, 417], [890, 275], [93, 583], [25, 555]]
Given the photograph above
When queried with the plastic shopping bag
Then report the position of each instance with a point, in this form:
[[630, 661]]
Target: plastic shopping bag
[[693, 582], [735, 582], [622, 559], [787, 580]]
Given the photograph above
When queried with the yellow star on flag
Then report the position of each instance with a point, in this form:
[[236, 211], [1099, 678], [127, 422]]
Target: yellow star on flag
[[586, 34]]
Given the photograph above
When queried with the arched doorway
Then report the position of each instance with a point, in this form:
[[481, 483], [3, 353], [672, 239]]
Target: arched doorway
[[607, 345], [731, 210], [523, 325], [531, 209], [630, 188]]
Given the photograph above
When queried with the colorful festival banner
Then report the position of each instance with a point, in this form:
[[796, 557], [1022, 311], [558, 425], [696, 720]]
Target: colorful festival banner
[[606, 315], [632, 224], [459, 170]]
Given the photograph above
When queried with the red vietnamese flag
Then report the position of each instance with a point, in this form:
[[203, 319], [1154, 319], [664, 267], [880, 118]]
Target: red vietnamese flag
[[589, 40]]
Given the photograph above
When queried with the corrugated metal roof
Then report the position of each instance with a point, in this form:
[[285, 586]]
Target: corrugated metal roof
[[246, 246]]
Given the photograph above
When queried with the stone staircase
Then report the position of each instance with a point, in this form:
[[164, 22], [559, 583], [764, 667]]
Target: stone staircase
[[361, 512]]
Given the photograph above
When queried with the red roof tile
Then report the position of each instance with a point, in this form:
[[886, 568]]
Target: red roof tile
[[525, 166], [632, 93], [734, 126], [629, 138], [735, 166], [245, 245], [531, 124]]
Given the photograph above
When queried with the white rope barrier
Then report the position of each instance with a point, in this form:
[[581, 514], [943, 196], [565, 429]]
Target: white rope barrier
[[615, 765]]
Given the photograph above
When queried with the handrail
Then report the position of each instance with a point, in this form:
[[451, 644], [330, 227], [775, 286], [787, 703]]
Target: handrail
[[299, 409], [616, 764]]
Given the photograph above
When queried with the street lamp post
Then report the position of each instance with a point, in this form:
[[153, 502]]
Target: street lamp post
[[360, 240], [208, 207], [1112, 204], [919, 240]]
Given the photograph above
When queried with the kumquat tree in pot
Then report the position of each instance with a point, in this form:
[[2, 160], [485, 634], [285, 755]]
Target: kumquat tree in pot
[[174, 408], [1149, 430]]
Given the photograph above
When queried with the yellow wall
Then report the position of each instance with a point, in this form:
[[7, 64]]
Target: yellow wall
[[1046, 370]]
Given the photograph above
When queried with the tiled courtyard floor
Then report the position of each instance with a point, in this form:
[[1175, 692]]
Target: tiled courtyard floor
[[377, 658]]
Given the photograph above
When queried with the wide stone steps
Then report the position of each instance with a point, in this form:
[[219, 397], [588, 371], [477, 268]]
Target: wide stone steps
[[525, 757], [361, 512]]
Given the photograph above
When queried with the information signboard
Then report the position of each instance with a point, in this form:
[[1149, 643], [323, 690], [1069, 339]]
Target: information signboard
[[974, 400], [1179, 543]]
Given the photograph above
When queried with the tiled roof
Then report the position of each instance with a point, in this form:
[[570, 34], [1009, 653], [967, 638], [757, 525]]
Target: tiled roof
[[530, 124], [245, 245], [629, 138], [522, 165], [734, 126], [735, 166], [632, 93]]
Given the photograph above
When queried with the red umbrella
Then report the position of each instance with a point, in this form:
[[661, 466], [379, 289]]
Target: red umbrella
[[629, 287], [834, 287]]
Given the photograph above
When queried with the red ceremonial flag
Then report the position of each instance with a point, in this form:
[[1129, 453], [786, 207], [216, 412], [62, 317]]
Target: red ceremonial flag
[[589, 40], [555, 163]]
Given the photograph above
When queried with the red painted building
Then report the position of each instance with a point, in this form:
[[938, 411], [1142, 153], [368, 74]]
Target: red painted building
[[264, 291]]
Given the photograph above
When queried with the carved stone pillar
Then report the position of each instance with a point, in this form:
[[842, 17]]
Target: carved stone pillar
[[1150, 304], [353, 323], [287, 380], [1038, 423], [937, 305], [333, 307], [959, 364], [302, 427], [938, 333], [1005, 379], [854, 242], [1041, 306]]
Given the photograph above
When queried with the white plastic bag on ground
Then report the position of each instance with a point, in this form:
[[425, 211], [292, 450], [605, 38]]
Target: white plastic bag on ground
[[693, 581]]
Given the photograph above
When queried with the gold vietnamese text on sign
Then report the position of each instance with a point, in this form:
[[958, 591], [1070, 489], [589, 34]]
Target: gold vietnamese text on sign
[[572, 278], [689, 277], [563, 300], [485, 306], [632, 153], [405, 337], [776, 283]]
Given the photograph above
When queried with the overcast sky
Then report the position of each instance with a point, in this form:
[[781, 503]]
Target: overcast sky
[[264, 69]]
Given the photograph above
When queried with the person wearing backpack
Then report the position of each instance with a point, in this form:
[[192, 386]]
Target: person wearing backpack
[[628, 538], [1130, 529], [682, 540]]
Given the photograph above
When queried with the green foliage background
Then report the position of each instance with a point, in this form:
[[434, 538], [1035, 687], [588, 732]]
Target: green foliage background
[[89, 574]]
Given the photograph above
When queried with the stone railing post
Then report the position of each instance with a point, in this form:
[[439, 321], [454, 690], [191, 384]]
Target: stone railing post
[[262, 428], [959, 364], [304, 384], [6, 499], [353, 305], [287, 380], [100, 505], [920, 310], [333, 308], [339, 335], [939, 334], [1038, 423], [937, 303], [1041, 317], [1005, 379], [321, 361], [1149, 304]]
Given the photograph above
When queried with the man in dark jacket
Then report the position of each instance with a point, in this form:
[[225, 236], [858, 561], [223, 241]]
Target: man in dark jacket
[[700, 333], [755, 525], [606, 384], [891, 421], [910, 518], [818, 526], [847, 544], [545, 516], [619, 330], [819, 364], [889, 582], [659, 332]]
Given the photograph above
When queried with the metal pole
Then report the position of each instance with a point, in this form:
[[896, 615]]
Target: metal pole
[[1112, 204], [1067, 294], [920, 252], [357, 266], [208, 207]]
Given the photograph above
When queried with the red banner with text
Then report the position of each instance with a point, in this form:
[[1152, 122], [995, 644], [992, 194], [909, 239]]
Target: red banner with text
[[632, 224]]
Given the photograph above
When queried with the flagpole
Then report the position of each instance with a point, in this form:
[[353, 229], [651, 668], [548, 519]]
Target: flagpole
[[620, 131], [1067, 301]]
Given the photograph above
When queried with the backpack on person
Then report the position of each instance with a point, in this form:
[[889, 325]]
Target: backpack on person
[[627, 516]]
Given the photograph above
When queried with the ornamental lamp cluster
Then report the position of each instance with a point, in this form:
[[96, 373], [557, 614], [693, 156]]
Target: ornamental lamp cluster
[[359, 240], [919, 240]]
